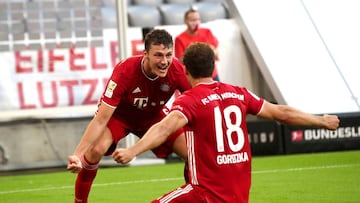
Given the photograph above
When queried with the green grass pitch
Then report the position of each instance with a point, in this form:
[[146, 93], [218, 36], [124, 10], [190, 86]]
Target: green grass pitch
[[331, 177]]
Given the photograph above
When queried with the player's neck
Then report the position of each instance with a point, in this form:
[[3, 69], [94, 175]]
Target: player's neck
[[197, 81], [146, 70]]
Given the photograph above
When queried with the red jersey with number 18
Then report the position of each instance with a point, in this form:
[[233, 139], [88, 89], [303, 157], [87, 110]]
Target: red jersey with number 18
[[217, 138]]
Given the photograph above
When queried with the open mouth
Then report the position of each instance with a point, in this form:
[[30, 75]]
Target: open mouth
[[162, 68]]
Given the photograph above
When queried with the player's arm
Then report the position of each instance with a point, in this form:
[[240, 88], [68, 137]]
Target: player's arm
[[292, 116], [154, 137], [93, 131]]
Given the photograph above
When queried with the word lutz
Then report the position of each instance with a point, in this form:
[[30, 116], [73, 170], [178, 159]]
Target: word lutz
[[44, 101]]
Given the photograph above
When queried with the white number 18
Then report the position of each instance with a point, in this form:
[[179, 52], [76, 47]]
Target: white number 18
[[230, 128]]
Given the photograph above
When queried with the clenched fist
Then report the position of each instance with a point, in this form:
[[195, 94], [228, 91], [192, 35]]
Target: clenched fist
[[122, 155], [74, 164]]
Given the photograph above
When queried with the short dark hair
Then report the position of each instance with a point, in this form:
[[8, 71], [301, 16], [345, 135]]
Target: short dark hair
[[157, 37], [192, 9], [199, 60]]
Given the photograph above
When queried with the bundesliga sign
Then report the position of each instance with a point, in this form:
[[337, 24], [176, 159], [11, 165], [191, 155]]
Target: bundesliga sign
[[307, 135], [302, 140]]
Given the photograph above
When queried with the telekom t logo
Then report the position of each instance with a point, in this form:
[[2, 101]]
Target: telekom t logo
[[141, 102]]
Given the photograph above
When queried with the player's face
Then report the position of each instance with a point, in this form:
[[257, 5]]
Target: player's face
[[159, 59]]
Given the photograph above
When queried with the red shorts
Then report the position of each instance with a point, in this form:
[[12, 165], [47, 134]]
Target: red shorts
[[187, 193], [120, 130]]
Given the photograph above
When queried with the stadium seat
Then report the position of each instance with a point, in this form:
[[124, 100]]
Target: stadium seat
[[108, 3], [108, 17], [173, 14], [214, 1], [180, 1], [148, 2], [210, 11], [112, 3], [143, 16]]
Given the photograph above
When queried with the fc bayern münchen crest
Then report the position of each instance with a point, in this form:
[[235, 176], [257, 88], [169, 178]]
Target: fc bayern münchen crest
[[165, 87]]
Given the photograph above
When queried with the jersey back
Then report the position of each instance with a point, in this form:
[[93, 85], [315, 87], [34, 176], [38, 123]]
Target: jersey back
[[219, 153]]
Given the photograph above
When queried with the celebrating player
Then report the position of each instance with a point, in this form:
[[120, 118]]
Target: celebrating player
[[213, 116], [133, 100]]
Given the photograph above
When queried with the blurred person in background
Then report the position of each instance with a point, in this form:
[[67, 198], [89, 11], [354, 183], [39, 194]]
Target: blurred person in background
[[195, 33]]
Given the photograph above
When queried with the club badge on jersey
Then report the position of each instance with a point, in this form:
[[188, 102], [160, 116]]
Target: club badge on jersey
[[165, 87]]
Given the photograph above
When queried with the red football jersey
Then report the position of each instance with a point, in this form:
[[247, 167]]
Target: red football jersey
[[183, 40], [219, 154], [137, 98]]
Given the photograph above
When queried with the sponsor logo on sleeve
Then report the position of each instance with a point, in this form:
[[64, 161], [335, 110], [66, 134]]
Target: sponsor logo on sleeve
[[110, 89]]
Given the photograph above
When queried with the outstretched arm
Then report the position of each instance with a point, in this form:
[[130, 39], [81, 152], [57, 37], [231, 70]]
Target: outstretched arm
[[291, 116], [154, 137]]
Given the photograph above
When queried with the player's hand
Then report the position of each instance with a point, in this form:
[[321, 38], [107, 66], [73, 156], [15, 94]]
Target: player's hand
[[74, 164], [122, 155], [331, 121]]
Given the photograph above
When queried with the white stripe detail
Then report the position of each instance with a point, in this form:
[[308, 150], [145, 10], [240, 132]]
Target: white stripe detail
[[111, 106], [176, 193], [88, 166], [187, 120], [191, 156]]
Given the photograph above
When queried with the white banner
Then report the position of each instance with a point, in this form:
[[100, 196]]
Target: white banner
[[47, 79], [69, 82]]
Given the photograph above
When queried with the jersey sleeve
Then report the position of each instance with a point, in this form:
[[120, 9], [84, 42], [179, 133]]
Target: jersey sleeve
[[114, 88], [183, 105], [255, 103]]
